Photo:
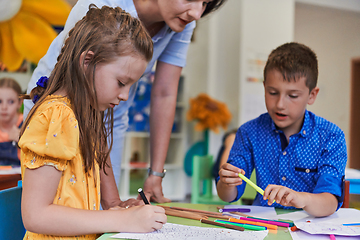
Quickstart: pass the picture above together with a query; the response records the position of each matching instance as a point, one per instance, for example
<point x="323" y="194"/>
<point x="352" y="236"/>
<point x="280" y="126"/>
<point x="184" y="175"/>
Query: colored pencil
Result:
<point x="258" y="189"/>
<point x="206" y="213"/>
<point x="184" y="214"/>
<point x="290" y="223"/>
<point x="264" y="221"/>
<point x="269" y="226"/>
<point x="332" y="237"/>
<point x="234" y="210"/>
<point x="222" y="225"/>
<point x="190" y="210"/>
<point x="351" y="224"/>
<point x="246" y="226"/>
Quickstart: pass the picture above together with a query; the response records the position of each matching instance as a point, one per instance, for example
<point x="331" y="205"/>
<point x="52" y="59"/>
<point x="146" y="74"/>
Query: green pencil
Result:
<point x="246" y="226"/>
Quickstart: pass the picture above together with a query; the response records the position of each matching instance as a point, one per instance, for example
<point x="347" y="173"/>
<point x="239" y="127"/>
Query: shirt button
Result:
<point x="304" y="132"/>
<point x="283" y="178"/>
<point x="307" y="170"/>
<point x="284" y="153"/>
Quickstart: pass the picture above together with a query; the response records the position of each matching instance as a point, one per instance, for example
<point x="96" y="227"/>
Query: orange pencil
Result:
<point x="269" y="226"/>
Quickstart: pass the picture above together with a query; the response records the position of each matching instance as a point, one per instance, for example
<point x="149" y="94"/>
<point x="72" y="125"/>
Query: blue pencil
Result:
<point x="234" y="210"/>
<point x="351" y="224"/>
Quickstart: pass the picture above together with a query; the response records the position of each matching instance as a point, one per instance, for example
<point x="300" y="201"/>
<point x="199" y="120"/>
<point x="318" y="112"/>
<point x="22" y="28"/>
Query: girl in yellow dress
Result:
<point x="63" y="141"/>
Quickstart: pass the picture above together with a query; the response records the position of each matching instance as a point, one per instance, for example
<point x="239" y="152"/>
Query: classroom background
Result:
<point x="226" y="59"/>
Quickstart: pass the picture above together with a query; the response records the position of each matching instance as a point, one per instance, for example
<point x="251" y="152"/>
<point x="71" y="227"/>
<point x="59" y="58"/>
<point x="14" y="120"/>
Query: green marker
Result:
<point x="246" y="226"/>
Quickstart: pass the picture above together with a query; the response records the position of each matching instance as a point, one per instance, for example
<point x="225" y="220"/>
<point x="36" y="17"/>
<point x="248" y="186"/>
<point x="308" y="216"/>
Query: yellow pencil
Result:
<point x="259" y="190"/>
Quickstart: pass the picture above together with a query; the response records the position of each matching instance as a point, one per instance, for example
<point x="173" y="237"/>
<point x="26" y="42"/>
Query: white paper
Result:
<point x="332" y="224"/>
<point x="301" y="235"/>
<point x="328" y="228"/>
<point x="172" y="231"/>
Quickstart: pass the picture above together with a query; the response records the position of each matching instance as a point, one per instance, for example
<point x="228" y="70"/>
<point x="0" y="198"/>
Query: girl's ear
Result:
<point x="85" y="58"/>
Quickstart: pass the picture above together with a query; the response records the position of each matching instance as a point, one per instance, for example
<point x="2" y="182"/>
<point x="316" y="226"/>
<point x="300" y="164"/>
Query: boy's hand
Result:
<point x="284" y="196"/>
<point x="229" y="175"/>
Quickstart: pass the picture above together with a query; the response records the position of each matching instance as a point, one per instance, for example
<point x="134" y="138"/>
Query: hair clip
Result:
<point x="42" y="82"/>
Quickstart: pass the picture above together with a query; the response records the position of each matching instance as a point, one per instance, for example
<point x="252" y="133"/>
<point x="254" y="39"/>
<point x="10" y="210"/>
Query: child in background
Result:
<point x="64" y="139"/>
<point x="299" y="158"/>
<point x="10" y="121"/>
<point x="223" y="154"/>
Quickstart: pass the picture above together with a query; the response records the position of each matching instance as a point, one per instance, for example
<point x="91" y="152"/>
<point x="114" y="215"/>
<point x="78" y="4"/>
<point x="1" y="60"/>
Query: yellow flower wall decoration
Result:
<point x="209" y="113"/>
<point x="26" y="29"/>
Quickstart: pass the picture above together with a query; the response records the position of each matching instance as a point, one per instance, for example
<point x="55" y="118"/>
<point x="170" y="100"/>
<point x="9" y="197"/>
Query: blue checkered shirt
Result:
<point x="312" y="161"/>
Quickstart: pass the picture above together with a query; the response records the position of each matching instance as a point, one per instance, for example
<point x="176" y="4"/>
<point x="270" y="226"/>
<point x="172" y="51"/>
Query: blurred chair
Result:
<point x="202" y="183"/>
<point x="11" y="225"/>
<point x="346" y="194"/>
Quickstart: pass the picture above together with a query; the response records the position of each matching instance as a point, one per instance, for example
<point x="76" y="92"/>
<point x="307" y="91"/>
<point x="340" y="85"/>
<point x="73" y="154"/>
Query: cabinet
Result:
<point x="136" y="157"/>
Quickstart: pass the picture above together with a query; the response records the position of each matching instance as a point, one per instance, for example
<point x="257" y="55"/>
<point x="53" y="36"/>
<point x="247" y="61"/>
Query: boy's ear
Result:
<point x="85" y="58"/>
<point x="312" y="95"/>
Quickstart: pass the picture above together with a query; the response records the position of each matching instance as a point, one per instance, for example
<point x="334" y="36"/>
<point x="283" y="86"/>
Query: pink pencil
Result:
<point x="265" y="221"/>
<point x="332" y="237"/>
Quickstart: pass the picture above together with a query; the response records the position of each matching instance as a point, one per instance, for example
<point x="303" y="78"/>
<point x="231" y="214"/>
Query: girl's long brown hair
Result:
<point x="108" y="33"/>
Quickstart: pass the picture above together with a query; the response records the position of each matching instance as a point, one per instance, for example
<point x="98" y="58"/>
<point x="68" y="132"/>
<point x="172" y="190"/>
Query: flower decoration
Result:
<point x="209" y="113"/>
<point x="26" y="30"/>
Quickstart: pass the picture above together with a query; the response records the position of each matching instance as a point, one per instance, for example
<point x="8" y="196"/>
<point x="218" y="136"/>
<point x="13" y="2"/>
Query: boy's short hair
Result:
<point x="294" y="60"/>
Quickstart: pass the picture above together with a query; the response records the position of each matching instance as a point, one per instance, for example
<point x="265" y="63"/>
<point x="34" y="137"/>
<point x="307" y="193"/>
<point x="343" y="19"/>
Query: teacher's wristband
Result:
<point x="158" y="174"/>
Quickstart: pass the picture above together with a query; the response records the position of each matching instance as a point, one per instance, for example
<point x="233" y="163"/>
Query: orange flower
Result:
<point x="209" y="113"/>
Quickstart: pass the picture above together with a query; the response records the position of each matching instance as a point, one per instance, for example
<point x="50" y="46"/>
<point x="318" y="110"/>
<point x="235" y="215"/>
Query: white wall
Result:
<point x="335" y="37"/>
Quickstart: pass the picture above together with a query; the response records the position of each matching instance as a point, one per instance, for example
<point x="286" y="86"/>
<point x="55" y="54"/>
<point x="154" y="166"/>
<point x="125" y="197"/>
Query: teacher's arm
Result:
<point x="163" y="105"/>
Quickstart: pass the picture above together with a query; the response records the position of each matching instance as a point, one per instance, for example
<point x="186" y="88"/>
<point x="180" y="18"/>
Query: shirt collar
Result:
<point x="305" y="129"/>
<point x="163" y="31"/>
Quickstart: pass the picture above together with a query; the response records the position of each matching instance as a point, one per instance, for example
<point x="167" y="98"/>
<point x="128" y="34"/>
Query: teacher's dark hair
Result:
<point x="212" y="6"/>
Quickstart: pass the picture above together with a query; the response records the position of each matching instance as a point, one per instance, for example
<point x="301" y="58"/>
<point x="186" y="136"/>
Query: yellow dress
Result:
<point x="52" y="138"/>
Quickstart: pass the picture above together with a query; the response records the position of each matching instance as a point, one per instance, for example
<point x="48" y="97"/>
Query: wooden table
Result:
<point x="9" y="180"/>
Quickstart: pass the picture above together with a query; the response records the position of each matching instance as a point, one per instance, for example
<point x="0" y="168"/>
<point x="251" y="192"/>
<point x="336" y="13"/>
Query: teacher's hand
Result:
<point x="153" y="190"/>
<point x="130" y="203"/>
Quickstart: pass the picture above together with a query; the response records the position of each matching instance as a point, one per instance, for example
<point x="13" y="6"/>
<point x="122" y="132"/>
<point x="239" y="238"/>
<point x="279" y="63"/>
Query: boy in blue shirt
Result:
<point x="299" y="158"/>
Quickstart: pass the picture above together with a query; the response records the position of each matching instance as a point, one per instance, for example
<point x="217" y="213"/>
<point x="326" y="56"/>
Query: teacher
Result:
<point x="170" y="24"/>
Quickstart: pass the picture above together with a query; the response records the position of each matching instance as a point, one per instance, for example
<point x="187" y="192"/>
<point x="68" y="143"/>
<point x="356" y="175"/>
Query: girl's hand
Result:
<point x="147" y="218"/>
<point x="284" y="196"/>
<point x="229" y="175"/>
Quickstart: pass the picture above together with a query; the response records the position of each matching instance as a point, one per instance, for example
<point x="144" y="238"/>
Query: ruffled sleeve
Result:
<point x="51" y="138"/>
